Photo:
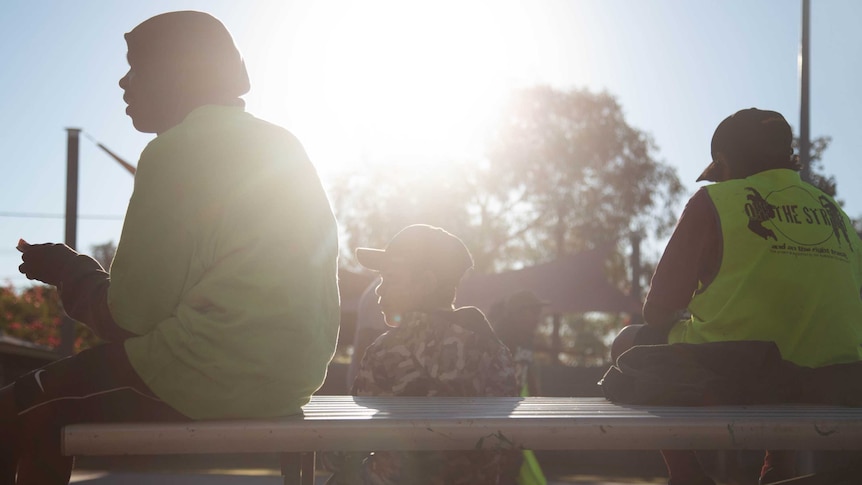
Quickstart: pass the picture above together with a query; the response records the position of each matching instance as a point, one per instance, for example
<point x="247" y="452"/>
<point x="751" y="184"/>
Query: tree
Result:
<point x="373" y="205"/>
<point x="819" y="179"/>
<point x="104" y="253"/>
<point x="563" y="172"/>
<point x="587" y="177"/>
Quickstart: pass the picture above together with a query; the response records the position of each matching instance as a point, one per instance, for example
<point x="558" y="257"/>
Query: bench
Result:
<point x="347" y="423"/>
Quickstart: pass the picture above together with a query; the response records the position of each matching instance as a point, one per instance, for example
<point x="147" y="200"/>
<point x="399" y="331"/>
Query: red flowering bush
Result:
<point x="34" y="314"/>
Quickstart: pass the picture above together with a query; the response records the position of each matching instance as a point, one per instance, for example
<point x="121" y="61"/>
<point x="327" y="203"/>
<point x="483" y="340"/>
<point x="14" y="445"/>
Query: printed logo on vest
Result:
<point x="794" y="215"/>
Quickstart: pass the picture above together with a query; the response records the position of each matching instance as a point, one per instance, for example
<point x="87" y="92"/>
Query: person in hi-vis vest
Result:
<point x="759" y="254"/>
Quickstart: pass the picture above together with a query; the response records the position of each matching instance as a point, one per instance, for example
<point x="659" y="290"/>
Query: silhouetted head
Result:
<point x="748" y="142"/>
<point x="179" y="61"/>
<point x="420" y="270"/>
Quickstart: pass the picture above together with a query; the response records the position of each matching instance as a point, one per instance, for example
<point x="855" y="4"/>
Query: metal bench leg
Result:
<point x="307" y="465"/>
<point x="297" y="468"/>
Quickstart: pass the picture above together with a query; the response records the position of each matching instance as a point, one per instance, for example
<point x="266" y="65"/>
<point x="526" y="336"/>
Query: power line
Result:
<point x="41" y="215"/>
<point x="128" y="166"/>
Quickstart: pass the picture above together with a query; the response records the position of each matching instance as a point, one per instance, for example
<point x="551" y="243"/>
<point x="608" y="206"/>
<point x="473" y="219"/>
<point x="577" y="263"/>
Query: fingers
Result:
<point x="35" y="252"/>
<point x="23" y="269"/>
<point x="45" y="262"/>
<point x="23" y="245"/>
<point x="27" y="269"/>
<point x="624" y="340"/>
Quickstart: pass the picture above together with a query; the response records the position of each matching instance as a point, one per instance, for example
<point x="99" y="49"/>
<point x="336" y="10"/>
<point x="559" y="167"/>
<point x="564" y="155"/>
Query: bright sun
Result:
<point x="396" y="79"/>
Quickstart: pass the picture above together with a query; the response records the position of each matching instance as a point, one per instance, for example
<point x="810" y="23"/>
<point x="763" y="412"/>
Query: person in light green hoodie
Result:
<point x="222" y="300"/>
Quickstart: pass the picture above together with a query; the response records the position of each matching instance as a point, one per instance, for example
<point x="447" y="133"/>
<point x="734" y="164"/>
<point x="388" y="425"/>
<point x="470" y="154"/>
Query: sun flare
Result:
<point x="401" y="80"/>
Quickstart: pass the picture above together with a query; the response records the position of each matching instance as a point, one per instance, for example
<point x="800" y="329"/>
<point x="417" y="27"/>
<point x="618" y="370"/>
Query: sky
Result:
<point x="379" y="81"/>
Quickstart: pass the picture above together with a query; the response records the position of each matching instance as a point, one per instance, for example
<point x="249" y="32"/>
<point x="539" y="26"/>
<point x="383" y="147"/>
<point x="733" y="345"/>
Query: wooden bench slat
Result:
<point x="348" y="423"/>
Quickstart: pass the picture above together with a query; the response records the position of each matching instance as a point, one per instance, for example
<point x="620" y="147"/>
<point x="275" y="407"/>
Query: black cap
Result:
<point x="421" y="246"/>
<point x="751" y="136"/>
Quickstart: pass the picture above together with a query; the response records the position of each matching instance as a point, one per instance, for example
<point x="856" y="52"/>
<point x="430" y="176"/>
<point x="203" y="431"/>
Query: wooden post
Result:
<point x="67" y="327"/>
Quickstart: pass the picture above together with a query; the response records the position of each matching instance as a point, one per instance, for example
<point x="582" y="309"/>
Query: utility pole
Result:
<point x="804" y="82"/>
<point x="806" y="460"/>
<point x="67" y="327"/>
<point x="636" y="292"/>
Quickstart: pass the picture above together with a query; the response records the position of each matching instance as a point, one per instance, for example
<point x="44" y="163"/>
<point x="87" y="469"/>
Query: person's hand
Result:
<point x="624" y="340"/>
<point x="45" y="262"/>
<point x="22" y="245"/>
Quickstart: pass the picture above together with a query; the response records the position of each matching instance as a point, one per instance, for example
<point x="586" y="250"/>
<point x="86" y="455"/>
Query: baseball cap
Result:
<point x="750" y="136"/>
<point x="423" y="247"/>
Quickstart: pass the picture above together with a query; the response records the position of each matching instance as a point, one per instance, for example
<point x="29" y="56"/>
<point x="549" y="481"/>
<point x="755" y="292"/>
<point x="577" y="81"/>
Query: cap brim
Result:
<point x="371" y="258"/>
<point x="710" y="173"/>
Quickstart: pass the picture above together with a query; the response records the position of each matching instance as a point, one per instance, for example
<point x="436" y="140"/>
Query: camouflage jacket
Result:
<point x="445" y="353"/>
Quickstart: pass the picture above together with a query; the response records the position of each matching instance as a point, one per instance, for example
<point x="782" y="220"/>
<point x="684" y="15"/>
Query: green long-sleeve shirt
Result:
<point x="226" y="269"/>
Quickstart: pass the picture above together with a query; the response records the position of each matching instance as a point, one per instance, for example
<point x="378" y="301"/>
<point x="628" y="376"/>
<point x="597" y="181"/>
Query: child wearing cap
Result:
<point x="758" y="255"/>
<point x="431" y="349"/>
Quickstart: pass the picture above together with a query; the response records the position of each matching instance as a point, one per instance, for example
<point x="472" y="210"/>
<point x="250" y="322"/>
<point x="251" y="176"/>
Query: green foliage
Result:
<point x="104" y="253"/>
<point x="817" y="177"/>
<point x="563" y="173"/>
<point x="589" y="178"/>
<point x="372" y="206"/>
<point x="585" y="339"/>
<point x="34" y="314"/>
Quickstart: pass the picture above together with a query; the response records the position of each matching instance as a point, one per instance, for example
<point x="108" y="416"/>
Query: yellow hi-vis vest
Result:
<point x="791" y="272"/>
